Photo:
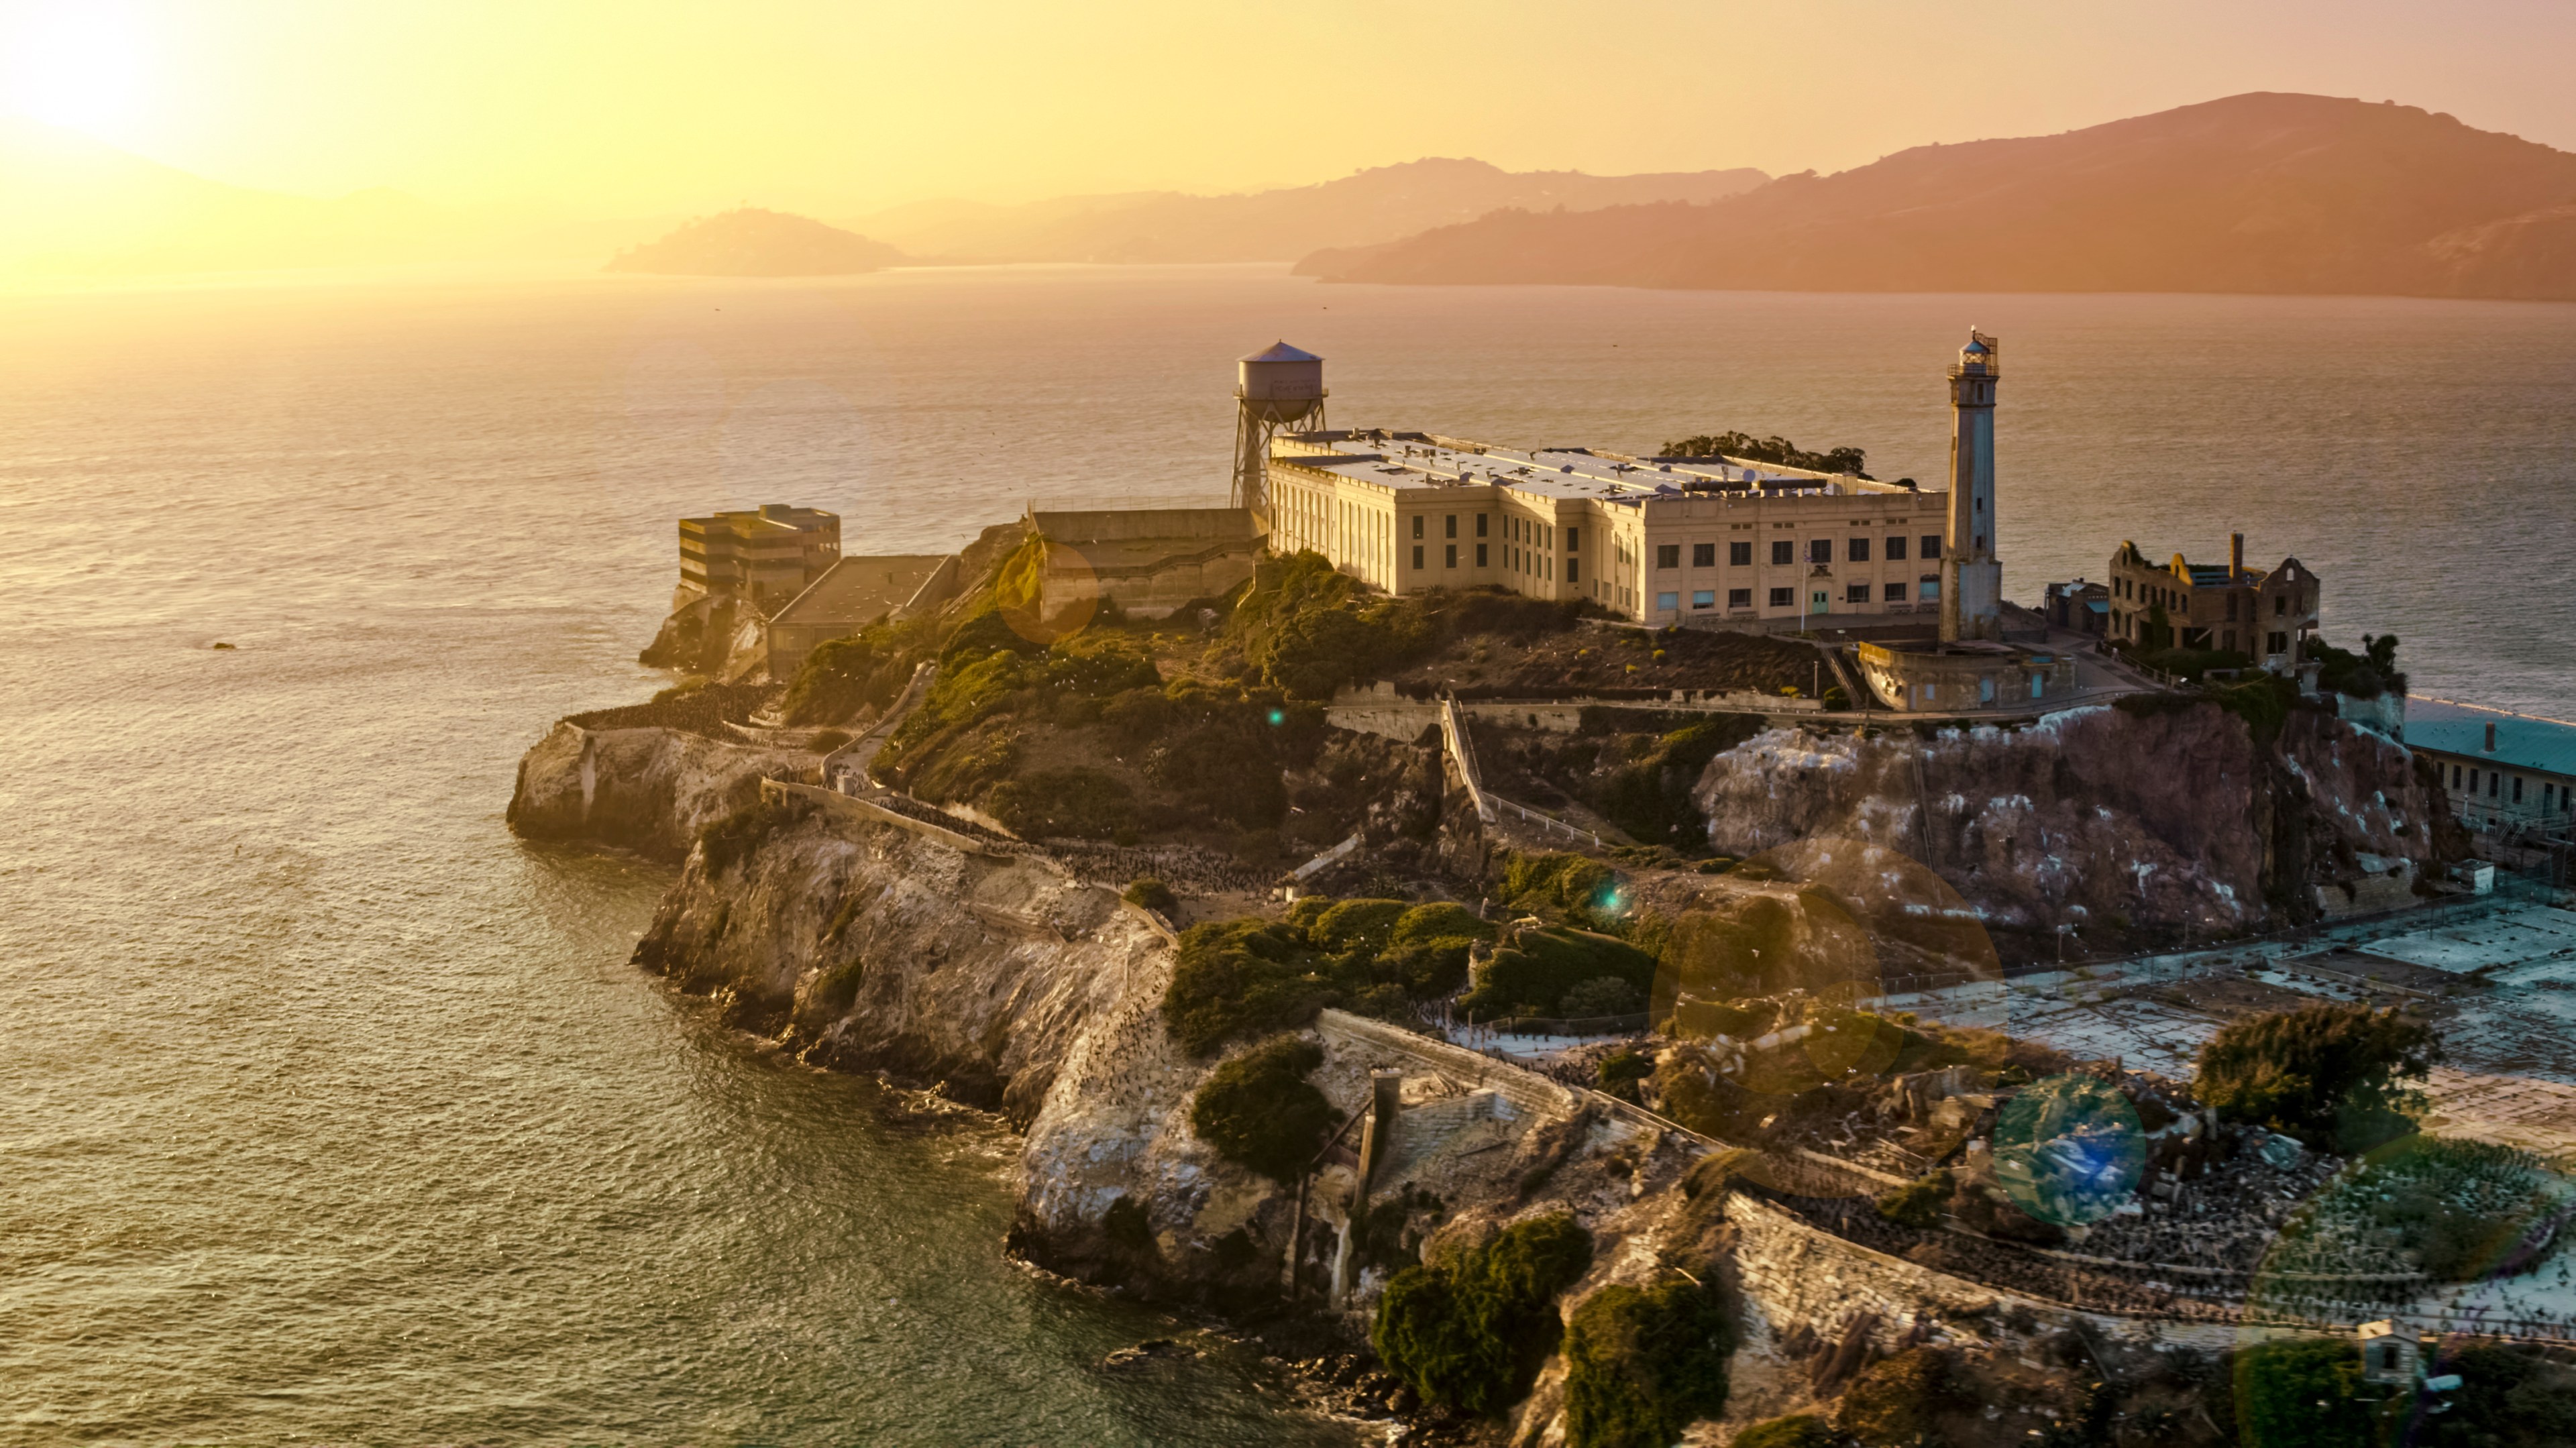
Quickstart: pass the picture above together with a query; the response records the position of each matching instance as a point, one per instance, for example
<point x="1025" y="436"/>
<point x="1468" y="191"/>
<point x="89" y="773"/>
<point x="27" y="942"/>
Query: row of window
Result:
<point x="1927" y="588"/>
<point x="1521" y="530"/>
<point x="1785" y="551"/>
<point x="2552" y="798"/>
<point x="1521" y="560"/>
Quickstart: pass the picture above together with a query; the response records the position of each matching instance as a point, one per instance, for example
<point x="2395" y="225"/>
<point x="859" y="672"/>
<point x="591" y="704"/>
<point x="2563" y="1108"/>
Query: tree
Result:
<point x="1472" y="1332"/>
<point x="2330" y="1075"/>
<point x="1641" y="1364"/>
<point x="1258" y="1111"/>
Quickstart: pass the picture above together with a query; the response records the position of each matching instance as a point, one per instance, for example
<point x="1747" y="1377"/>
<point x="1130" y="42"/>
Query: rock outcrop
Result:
<point x="2123" y="823"/>
<point x="650" y="790"/>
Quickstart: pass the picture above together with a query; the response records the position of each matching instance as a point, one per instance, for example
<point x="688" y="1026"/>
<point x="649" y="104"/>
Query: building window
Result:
<point x="1703" y="555"/>
<point x="2280" y="605"/>
<point x="1480" y="523"/>
<point x="1896" y="548"/>
<point x="1784" y="551"/>
<point x="1856" y="593"/>
<point x="1481" y="547"/>
<point x="1417" y="525"/>
<point x="1857" y="551"/>
<point x="1573" y="567"/>
<point x="1927" y="587"/>
<point x="1704" y="598"/>
<point x="1417" y="550"/>
<point x="2495" y="780"/>
<point x="1895" y="593"/>
<point x="1784" y="598"/>
<point x="1820" y="550"/>
<point x="1668" y="602"/>
<point x="2517" y="789"/>
<point x="1452" y="521"/>
<point x="2231" y="608"/>
<point x="1668" y="555"/>
<point x="1739" y="598"/>
<point x="1931" y="547"/>
<point x="1740" y="554"/>
<point x="2455" y="776"/>
<point x="1452" y="560"/>
<point x="1573" y="542"/>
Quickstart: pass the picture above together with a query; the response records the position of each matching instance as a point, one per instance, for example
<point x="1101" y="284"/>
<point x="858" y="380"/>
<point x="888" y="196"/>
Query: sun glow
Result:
<point x="78" y="65"/>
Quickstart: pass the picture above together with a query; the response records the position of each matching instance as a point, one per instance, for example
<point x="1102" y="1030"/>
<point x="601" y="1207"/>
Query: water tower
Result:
<point x="1274" y="388"/>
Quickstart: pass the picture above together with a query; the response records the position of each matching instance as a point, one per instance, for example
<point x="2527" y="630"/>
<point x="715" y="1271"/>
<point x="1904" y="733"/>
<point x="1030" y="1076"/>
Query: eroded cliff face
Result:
<point x="647" y="790"/>
<point x="2124" y="825"/>
<point x="864" y="947"/>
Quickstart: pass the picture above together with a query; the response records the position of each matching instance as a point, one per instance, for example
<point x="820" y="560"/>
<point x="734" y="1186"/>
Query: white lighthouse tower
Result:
<point x="1971" y="579"/>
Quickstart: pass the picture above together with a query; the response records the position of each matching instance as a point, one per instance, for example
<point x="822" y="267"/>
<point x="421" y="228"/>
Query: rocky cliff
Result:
<point x="2127" y="824"/>
<point x="650" y="790"/>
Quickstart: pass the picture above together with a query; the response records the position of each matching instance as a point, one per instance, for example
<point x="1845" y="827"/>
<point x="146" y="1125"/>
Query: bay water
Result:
<point x="334" y="1113"/>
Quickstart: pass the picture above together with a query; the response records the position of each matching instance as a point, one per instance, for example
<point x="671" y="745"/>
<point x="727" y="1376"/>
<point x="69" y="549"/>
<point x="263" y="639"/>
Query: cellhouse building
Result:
<point x="1660" y="540"/>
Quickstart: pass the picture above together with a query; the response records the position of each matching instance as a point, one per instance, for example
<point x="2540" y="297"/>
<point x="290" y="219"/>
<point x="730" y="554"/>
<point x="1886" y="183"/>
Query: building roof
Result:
<point x="2523" y="741"/>
<point x="858" y="589"/>
<point x="1409" y="460"/>
<point x="1281" y="352"/>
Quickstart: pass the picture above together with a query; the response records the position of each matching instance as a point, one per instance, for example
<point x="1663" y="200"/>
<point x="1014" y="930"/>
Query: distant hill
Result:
<point x="2254" y="193"/>
<point x="1370" y="206"/>
<point x="750" y="242"/>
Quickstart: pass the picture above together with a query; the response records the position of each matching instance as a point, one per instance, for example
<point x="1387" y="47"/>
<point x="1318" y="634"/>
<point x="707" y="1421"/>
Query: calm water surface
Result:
<point x="336" y="1113"/>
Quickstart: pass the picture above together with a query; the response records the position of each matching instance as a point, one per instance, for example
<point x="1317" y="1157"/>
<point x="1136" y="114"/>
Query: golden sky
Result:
<point x="611" y="107"/>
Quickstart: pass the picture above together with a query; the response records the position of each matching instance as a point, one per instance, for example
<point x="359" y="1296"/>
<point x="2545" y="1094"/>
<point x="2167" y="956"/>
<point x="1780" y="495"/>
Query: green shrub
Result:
<point x="1535" y="971"/>
<point x="837" y="989"/>
<point x="1619" y="1074"/>
<point x="2466" y="1209"/>
<point x="1777" y="450"/>
<point x="828" y="740"/>
<point x="1072" y="803"/>
<point x="1310" y="630"/>
<point x="1641" y="1364"/>
<point x="867" y="669"/>
<point x="1473" y="1332"/>
<point x="1650" y="797"/>
<point x="2508" y="1398"/>
<point x="1152" y="894"/>
<point x="2327" y="1074"/>
<point x="1920" y="1203"/>
<point x="1242" y="977"/>
<point x="1798" y="1430"/>
<point x="1893" y="1404"/>
<point x="1339" y="925"/>
<point x="1603" y="995"/>
<point x="2305" y="1392"/>
<point x="1258" y="1111"/>
<point x="1561" y="886"/>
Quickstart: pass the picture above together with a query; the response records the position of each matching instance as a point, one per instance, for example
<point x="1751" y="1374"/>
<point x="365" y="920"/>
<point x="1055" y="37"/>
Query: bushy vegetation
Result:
<point x="1310" y="630"/>
<point x="1920" y="1203"/>
<point x="866" y="670"/>
<point x="2331" y="1075"/>
<point x="1071" y="803"/>
<point x="1894" y="1403"/>
<point x="2305" y="1392"/>
<point x="1472" y="1332"/>
<point x="1151" y="893"/>
<point x="1568" y="888"/>
<point x="1777" y="450"/>
<point x="2507" y="1399"/>
<point x="1650" y="796"/>
<point x="1251" y="976"/>
<point x="1538" y="970"/>
<point x="1641" y="1364"/>
<point x="1619" y="1074"/>
<point x="2465" y="1210"/>
<point x="2365" y="675"/>
<point x="1258" y="1111"/>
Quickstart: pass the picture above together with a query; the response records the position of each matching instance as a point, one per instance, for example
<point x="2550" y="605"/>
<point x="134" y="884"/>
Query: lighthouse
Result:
<point x="1971" y="579"/>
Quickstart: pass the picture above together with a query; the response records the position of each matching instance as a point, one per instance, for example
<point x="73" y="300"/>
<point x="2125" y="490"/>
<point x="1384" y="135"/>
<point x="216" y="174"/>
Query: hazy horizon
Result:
<point x="583" y="112"/>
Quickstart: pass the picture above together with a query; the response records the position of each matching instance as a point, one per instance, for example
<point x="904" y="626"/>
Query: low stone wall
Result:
<point x="855" y="807"/>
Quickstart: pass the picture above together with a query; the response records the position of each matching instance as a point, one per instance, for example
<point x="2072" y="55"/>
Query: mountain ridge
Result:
<point x="1280" y="224"/>
<point x="2266" y="192"/>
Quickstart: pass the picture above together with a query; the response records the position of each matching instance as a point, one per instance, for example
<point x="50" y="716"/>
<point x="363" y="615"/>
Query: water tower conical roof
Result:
<point x="1281" y="352"/>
